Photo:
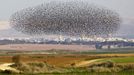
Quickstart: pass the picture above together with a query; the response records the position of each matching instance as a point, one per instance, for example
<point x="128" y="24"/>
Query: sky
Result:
<point x="124" y="7"/>
<point x="8" y="7"/>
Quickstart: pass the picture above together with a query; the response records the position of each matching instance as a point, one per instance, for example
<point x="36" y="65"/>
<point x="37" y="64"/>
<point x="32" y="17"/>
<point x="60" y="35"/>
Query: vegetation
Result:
<point x="57" y="64"/>
<point x="16" y="59"/>
<point x="109" y="66"/>
<point x="120" y="59"/>
<point x="33" y="67"/>
<point x="123" y="60"/>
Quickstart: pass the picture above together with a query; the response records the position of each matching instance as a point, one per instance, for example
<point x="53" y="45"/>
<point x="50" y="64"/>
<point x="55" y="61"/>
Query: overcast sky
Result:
<point x="8" y="7"/>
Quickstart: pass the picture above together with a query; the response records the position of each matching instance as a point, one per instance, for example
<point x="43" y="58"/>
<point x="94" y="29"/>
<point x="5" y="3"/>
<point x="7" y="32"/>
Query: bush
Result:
<point x="99" y="69"/>
<point x="34" y="67"/>
<point x="108" y="64"/>
<point x="40" y="65"/>
<point x="16" y="59"/>
<point x="73" y="64"/>
<point x="127" y="67"/>
<point x="22" y="67"/>
<point x="116" y="69"/>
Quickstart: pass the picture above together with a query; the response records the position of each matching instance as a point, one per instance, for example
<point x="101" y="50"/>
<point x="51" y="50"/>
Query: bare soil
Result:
<point x="30" y="47"/>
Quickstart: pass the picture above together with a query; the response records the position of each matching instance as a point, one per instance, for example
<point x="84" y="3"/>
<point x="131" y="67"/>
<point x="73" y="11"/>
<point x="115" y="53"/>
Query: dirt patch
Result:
<point x="46" y="47"/>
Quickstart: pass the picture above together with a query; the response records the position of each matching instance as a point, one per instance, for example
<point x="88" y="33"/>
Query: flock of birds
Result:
<point x="72" y="18"/>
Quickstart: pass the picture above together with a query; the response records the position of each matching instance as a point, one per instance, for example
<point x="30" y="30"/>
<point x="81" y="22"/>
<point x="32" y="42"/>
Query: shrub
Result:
<point x="33" y="67"/>
<point x="108" y="64"/>
<point x="127" y="67"/>
<point x="40" y="65"/>
<point x="16" y="59"/>
<point x="99" y="69"/>
<point x="73" y="64"/>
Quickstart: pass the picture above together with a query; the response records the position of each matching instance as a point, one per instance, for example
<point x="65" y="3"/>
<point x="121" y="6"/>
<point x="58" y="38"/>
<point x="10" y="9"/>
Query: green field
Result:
<point x="119" y="60"/>
<point x="123" y="60"/>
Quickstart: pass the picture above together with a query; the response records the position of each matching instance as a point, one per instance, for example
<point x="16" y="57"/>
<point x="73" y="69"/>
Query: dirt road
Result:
<point x="6" y="66"/>
<point x="85" y="63"/>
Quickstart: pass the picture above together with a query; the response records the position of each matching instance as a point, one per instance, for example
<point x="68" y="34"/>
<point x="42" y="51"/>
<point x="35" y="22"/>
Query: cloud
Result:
<point x="4" y="25"/>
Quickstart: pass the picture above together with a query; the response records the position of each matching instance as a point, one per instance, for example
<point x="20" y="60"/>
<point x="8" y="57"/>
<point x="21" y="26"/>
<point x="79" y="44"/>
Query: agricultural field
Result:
<point x="120" y="59"/>
<point x="43" y="47"/>
<point x="57" y="62"/>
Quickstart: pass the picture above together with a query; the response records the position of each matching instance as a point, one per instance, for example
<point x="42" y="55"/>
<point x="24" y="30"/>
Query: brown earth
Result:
<point x="30" y="47"/>
<point x="60" y="60"/>
<point x="55" y="60"/>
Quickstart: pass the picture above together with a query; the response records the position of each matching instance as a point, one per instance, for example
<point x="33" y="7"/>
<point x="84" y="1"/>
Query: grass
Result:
<point x="100" y="67"/>
<point x="60" y="63"/>
<point x="123" y="60"/>
<point x="33" y="67"/>
<point x="84" y="73"/>
<point x="120" y="60"/>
